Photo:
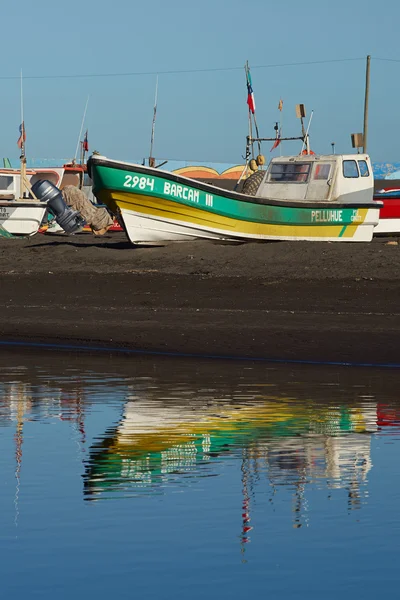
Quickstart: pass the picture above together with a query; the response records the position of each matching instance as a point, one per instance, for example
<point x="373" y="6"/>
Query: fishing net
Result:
<point x="98" y="218"/>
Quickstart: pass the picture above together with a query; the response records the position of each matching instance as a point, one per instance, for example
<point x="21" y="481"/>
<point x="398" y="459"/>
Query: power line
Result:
<point x="396" y="60"/>
<point x="182" y="71"/>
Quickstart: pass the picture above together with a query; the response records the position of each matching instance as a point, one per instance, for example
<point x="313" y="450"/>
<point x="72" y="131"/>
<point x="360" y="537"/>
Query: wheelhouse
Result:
<point x="332" y="178"/>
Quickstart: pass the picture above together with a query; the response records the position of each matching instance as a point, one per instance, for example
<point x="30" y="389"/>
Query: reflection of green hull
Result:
<point x="144" y="460"/>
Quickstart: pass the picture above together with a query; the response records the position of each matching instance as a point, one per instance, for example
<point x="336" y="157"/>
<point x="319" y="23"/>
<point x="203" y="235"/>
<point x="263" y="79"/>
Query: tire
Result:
<point x="252" y="183"/>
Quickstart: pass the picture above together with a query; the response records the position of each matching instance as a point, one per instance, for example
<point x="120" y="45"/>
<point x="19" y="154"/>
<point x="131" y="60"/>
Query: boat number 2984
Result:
<point x="143" y="183"/>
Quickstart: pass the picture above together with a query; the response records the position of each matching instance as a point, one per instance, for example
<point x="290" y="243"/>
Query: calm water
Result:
<point x="143" y="478"/>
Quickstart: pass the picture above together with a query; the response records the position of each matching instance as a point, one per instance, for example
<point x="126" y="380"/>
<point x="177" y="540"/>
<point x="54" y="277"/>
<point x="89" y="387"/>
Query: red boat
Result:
<point x="389" y="216"/>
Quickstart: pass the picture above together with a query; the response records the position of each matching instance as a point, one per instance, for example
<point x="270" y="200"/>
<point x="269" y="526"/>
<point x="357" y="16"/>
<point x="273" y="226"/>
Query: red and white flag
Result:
<point x="22" y="135"/>
<point x="277" y="141"/>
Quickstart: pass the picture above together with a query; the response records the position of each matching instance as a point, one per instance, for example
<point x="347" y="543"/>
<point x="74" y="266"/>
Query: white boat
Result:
<point x="18" y="215"/>
<point x="21" y="214"/>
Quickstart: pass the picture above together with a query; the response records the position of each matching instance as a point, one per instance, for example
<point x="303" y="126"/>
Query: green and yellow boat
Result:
<point x="304" y="197"/>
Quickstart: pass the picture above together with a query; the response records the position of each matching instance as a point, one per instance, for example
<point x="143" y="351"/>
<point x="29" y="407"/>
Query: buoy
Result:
<point x="253" y="165"/>
<point x="305" y="153"/>
<point x="260" y="160"/>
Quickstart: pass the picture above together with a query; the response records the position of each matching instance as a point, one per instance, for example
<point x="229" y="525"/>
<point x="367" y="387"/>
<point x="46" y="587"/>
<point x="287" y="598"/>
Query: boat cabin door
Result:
<point x="321" y="180"/>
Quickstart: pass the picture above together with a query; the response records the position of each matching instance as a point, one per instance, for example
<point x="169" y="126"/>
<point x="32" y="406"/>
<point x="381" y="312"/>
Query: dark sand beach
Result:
<point x="279" y="300"/>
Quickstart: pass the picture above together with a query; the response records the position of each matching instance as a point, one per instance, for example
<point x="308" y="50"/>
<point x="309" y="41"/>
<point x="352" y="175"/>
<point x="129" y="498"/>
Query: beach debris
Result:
<point x="392" y="243"/>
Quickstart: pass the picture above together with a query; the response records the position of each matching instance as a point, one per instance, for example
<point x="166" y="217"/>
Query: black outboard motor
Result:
<point x="70" y="220"/>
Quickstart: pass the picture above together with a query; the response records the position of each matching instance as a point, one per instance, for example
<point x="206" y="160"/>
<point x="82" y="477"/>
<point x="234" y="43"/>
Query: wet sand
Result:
<point x="280" y="300"/>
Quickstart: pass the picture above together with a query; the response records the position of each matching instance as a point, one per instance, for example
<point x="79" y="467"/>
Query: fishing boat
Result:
<point x="19" y="213"/>
<point x="303" y="197"/>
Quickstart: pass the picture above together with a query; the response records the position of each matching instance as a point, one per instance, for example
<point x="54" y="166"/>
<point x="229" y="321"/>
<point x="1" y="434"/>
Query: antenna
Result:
<point x="80" y="132"/>
<point x="153" y="126"/>
<point x="24" y="185"/>
<point x="22" y="118"/>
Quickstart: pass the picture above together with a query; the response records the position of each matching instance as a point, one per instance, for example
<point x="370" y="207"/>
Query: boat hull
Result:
<point x="19" y="218"/>
<point x="153" y="229"/>
<point x="389" y="219"/>
<point x="158" y="207"/>
<point x="388" y="226"/>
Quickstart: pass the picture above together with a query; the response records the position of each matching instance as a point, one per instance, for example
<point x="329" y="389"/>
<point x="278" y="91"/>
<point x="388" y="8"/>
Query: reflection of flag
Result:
<point x="277" y="141"/>
<point x="22" y="135"/>
<point x="250" y="94"/>
<point x="85" y="143"/>
<point x="280" y="105"/>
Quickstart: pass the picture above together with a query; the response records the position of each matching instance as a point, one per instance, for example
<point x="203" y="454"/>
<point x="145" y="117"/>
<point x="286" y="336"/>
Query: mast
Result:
<point x="23" y="185"/>
<point x="153" y="126"/>
<point x="280" y="108"/>
<point x="366" y="104"/>
<point x="247" y="69"/>
<point x="249" y="143"/>
<point x="81" y="129"/>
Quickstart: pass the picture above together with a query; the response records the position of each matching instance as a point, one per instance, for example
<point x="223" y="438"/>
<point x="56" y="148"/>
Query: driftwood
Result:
<point x="98" y="218"/>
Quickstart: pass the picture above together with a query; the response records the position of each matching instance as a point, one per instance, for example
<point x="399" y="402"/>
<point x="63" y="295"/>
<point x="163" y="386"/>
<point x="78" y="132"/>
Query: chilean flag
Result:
<point x="85" y="143"/>
<point x="277" y="141"/>
<point x="250" y="94"/>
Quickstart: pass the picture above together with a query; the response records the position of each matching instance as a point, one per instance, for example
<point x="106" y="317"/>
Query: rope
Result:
<point x="4" y="233"/>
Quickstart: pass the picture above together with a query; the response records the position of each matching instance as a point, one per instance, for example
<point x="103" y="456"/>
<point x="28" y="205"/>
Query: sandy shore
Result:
<point x="284" y="300"/>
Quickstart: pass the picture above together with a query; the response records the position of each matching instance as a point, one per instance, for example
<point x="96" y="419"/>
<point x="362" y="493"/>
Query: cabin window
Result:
<point x="6" y="182"/>
<point x="362" y="165"/>
<point x="321" y="171"/>
<point x="350" y="169"/>
<point x="289" y="172"/>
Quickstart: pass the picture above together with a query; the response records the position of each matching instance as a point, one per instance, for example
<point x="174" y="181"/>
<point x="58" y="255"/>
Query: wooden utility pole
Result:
<point x="365" y="133"/>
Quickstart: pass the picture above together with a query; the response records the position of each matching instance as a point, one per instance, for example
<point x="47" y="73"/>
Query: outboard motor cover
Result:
<point x="70" y="220"/>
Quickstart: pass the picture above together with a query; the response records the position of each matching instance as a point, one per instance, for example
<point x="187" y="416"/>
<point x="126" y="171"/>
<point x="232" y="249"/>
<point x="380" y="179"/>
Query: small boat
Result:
<point x="389" y="218"/>
<point x="303" y="197"/>
<point x="19" y="214"/>
<point x="23" y="206"/>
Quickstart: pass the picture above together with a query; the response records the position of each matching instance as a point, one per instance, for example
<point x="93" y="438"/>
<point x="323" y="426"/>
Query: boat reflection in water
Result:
<point x="296" y="430"/>
<point x="156" y="446"/>
<point x="165" y="440"/>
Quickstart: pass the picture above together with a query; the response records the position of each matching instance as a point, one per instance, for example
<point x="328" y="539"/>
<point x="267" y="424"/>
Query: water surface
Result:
<point x="136" y="477"/>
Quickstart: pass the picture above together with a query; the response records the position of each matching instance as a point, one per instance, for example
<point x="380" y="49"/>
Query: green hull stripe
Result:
<point x="108" y="178"/>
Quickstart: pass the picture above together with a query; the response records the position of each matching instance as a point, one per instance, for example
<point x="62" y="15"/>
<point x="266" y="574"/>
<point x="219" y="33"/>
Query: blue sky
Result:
<point x="202" y="116"/>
